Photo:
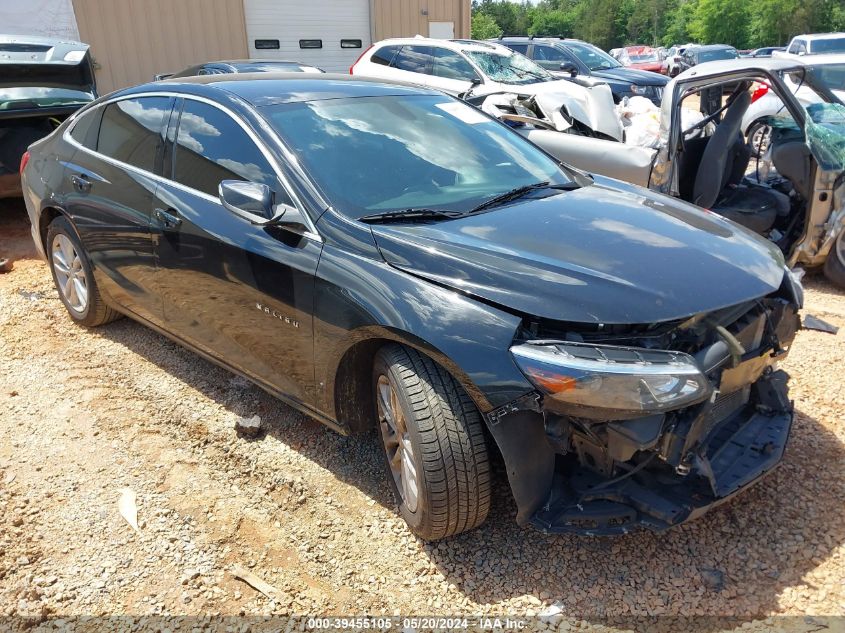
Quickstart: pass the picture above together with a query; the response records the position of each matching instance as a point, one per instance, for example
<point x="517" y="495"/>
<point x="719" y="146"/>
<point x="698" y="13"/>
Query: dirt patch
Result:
<point x="86" y="413"/>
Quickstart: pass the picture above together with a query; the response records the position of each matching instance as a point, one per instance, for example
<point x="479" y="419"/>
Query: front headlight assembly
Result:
<point x="606" y="382"/>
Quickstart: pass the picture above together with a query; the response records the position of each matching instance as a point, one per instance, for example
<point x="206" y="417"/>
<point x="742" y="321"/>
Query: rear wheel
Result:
<point x="73" y="276"/>
<point x="433" y="441"/>
<point x="834" y="267"/>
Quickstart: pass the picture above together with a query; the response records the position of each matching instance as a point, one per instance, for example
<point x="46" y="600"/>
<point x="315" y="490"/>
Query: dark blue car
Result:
<point x="574" y="58"/>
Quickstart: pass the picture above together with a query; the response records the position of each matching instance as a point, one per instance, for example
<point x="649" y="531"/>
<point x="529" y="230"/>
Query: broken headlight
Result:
<point x="606" y="382"/>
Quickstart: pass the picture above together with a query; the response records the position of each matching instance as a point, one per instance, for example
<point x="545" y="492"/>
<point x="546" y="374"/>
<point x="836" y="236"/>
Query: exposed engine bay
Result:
<point x="712" y="414"/>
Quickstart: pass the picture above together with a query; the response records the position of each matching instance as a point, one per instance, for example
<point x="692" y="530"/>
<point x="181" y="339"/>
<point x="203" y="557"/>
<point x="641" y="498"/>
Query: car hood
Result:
<point x="605" y="253"/>
<point x="647" y="66"/>
<point x="632" y="75"/>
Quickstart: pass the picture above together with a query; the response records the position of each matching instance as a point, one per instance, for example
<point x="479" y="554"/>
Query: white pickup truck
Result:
<point x="813" y="44"/>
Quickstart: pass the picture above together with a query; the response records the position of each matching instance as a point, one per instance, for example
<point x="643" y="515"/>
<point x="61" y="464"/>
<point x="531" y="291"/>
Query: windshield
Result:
<point x="594" y="58"/>
<point x="721" y="53"/>
<point x="832" y="45"/>
<point x="13" y="98"/>
<point x="378" y="154"/>
<point x="508" y="68"/>
<point x="644" y="56"/>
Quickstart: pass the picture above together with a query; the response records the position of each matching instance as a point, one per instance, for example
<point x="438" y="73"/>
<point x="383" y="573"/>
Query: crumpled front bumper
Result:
<point x="740" y="450"/>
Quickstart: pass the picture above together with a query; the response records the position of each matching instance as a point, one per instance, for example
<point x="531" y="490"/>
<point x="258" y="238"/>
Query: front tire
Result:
<point x="758" y="137"/>
<point x="433" y="440"/>
<point x="73" y="276"/>
<point x="834" y="266"/>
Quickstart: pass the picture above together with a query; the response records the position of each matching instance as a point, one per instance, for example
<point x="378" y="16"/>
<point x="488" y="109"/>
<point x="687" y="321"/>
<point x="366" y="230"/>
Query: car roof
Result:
<point x="816" y="60"/>
<point x="714" y="47"/>
<point x="454" y="45"/>
<point x="763" y="64"/>
<point x="821" y="36"/>
<point x="261" y="89"/>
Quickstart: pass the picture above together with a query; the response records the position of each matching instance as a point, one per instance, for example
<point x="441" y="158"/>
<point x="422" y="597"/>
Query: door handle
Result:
<point x="81" y="183"/>
<point x="168" y="219"/>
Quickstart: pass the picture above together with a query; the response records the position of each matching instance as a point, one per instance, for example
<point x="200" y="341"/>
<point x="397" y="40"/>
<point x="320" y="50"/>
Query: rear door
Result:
<point x="238" y="291"/>
<point x="111" y="186"/>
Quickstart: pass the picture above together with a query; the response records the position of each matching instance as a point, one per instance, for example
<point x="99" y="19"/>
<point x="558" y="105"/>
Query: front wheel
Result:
<point x="759" y="135"/>
<point x="834" y="266"/>
<point x="433" y="440"/>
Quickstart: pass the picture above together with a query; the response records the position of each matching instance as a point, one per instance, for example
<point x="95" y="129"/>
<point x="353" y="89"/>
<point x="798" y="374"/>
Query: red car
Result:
<point x="641" y="57"/>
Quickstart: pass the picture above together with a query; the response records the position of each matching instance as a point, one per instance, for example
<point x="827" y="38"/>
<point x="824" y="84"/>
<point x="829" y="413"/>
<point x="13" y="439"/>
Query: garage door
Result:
<point x="330" y="34"/>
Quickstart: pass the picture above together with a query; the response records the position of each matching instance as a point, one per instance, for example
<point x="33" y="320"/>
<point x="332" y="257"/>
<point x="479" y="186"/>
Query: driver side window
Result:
<point x="450" y="65"/>
<point x="212" y="147"/>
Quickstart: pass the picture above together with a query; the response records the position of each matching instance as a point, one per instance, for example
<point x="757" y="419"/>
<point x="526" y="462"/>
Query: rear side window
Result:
<point x="414" y="59"/>
<point x="450" y="65"/>
<point x="85" y="130"/>
<point x="549" y="53"/>
<point x="384" y="55"/>
<point x="519" y="48"/>
<point x="212" y="147"/>
<point x="131" y="130"/>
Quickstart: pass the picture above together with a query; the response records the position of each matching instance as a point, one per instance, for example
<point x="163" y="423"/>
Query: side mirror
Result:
<point x="569" y="67"/>
<point x="472" y="85"/>
<point x="249" y="200"/>
<point x="254" y="203"/>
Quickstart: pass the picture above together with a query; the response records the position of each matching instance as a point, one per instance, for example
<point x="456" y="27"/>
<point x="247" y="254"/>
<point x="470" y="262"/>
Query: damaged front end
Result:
<point x="647" y="426"/>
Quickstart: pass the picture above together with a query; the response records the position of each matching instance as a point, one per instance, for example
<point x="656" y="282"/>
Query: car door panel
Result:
<point x="110" y="201"/>
<point x="238" y="291"/>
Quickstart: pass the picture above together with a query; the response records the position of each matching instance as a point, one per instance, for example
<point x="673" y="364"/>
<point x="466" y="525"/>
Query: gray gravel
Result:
<point x="87" y="413"/>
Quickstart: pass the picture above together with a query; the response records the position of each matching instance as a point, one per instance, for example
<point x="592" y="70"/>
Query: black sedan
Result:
<point x="388" y="257"/>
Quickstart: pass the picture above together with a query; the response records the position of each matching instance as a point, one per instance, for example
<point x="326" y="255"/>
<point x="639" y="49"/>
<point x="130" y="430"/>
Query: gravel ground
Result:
<point x="85" y="414"/>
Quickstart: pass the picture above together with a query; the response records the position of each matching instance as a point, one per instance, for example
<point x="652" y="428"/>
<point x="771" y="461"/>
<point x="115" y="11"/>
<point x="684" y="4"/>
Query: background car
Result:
<point x="243" y="66"/>
<point x="766" y="51"/>
<point x="671" y="62"/>
<point x="814" y="44"/>
<point x="641" y="57"/>
<point x="464" y="67"/>
<point x="566" y="58"/>
<point x="766" y="105"/>
<point x="42" y="81"/>
<point x="450" y="291"/>
<point x="695" y="55"/>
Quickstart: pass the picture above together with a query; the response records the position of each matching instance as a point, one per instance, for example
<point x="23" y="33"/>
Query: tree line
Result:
<point x="613" y="23"/>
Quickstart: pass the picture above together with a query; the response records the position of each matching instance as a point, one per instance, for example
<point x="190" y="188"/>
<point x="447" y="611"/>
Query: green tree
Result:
<point x="678" y="21"/>
<point x="722" y="22"/>
<point x="483" y="27"/>
<point x="553" y="22"/>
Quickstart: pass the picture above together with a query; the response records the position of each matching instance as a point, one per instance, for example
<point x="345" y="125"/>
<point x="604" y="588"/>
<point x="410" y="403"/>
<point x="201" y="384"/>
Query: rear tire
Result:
<point x="433" y="440"/>
<point x="73" y="276"/>
<point x="834" y="266"/>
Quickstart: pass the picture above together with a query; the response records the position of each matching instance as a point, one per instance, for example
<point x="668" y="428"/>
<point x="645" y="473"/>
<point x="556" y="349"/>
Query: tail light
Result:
<point x="761" y="90"/>
<point x="24" y="161"/>
<point x="367" y="50"/>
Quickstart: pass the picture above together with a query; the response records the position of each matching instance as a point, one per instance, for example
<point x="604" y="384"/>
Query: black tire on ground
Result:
<point x="834" y="267"/>
<point x="761" y="143"/>
<point x="96" y="312"/>
<point x="446" y="434"/>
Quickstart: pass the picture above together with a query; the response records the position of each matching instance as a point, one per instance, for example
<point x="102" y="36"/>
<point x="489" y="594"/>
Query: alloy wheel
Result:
<point x="70" y="276"/>
<point x="397" y="443"/>
<point x="759" y="137"/>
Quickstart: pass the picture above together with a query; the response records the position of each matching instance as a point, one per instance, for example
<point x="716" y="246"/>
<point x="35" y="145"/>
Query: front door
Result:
<point x="237" y="291"/>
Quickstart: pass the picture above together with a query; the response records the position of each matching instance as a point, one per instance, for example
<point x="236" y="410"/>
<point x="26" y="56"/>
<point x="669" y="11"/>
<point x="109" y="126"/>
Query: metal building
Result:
<point x="133" y="40"/>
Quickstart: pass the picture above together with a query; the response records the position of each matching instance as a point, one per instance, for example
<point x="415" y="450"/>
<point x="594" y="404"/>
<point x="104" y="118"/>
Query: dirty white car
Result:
<point x="794" y="194"/>
<point x="468" y="67"/>
<point x="829" y="69"/>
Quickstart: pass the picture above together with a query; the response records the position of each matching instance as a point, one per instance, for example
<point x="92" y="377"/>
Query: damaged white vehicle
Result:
<point x="794" y="194"/>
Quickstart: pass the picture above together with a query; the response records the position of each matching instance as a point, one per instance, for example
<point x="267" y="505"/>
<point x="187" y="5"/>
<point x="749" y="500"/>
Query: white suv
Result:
<point x="461" y="66"/>
<point x="814" y="44"/>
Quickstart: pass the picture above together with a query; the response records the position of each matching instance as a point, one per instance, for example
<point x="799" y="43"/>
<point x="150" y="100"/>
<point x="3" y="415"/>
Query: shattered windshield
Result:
<point x="825" y="131"/>
<point x="509" y="68"/>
